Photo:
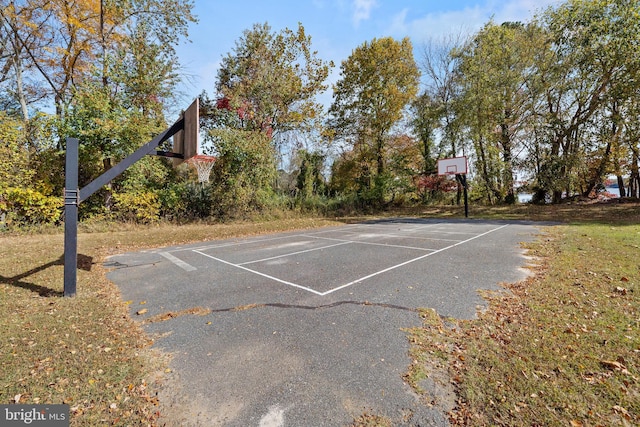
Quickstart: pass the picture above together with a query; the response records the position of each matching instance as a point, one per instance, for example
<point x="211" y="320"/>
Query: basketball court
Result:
<point x="306" y="327"/>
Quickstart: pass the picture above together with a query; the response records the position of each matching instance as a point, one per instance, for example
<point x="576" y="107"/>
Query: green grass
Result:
<point x="565" y="348"/>
<point x="87" y="352"/>
<point x="561" y="348"/>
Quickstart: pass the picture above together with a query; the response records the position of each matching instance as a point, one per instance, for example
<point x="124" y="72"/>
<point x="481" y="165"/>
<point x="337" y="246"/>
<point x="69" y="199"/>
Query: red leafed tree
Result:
<point x="430" y="186"/>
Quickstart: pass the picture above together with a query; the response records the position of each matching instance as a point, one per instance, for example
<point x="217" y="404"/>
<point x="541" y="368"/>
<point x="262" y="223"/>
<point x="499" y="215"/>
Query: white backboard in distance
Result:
<point x="452" y="166"/>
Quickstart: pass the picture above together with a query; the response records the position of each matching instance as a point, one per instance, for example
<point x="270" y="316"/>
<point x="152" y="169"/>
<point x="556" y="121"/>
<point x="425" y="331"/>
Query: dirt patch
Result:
<point x="198" y="311"/>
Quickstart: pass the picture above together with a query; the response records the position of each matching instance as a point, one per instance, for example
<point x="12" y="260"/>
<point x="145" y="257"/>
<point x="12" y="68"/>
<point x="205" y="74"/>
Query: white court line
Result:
<point x="409" y="230"/>
<point x="451" y="232"/>
<point x="355" y="281"/>
<point x="294" y="253"/>
<point x="409" y="262"/>
<point x="259" y="273"/>
<point x="402" y="236"/>
<point x="408" y="226"/>
<point x="258" y="240"/>
<point x="226" y="245"/>
<point x="248" y="242"/>
<point x="177" y="261"/>
<point x="334" y="229"/>
<point x="373" y="243"/>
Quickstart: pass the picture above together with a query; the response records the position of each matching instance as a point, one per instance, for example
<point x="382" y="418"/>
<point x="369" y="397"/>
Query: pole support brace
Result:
<point x="72" y="197"/>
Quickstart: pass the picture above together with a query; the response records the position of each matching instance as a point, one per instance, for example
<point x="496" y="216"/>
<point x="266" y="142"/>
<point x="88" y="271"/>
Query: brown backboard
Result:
<point x="185" y="142"/>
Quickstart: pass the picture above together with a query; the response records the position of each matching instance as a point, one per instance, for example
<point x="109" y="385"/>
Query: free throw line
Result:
<point x="177" y="261"/>
<point x="294" y="253"/>
<point x="409" y="261"/>
<point x="260" y="274"/>
<point x="313" y="291"/>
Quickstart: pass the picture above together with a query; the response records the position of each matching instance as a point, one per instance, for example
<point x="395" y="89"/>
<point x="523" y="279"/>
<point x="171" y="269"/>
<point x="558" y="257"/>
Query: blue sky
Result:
<point x="336" y="27"/>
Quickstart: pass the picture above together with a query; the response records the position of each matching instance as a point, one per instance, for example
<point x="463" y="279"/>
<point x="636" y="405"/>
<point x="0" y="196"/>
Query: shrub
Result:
<point x="26" y="206"/>
<point x="142" y="206"/>
<point x="244" y="173"/>
<point x="197" y="200"/>
<point x="172" y="201"/>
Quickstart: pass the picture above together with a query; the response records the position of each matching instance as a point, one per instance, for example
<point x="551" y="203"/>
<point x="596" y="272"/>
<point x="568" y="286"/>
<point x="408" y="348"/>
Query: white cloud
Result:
<point x="319" y="4"/>
<point x="467" y="20"/>
<point x="437" y="24"/>
<point x="362" y="10"/>
<point x="521" y="10"/>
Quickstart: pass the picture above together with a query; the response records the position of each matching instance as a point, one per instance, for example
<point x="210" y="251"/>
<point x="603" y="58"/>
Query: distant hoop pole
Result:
<point x="462" y="179"/>
<point x="203" y="165"/>
<point x="456" y="166"/>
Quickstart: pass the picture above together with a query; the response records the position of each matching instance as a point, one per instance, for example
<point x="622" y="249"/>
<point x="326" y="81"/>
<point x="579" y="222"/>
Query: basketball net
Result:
<point x="203" y="165"/>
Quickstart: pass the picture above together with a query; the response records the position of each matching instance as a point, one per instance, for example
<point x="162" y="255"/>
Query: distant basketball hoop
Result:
<point x="456" y="166"/>
<point x="453" y="166"/>
<point x="203" y="165"/>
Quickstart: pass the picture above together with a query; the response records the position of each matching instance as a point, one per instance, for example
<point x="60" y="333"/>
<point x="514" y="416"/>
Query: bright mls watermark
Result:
<point x="34" y="415"/>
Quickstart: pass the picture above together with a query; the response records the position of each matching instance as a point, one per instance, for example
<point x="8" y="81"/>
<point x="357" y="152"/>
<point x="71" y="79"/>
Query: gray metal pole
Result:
<point x="466" y="197"/>
<point x="462" y="179"/>
<point x="71" y="201"/>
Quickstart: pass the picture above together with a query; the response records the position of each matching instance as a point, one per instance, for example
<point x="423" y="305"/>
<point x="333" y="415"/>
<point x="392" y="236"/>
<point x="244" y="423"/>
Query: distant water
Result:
<point x="524" y="197"/>
<point x="613" y="190"/>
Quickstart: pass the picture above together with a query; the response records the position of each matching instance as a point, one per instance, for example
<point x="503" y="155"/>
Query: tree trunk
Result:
<point x="634" y="179"/>
<point x="621" y="188"/>
<point x="485" y="172"/>
<point x="17" y="65"/>
<point x="556" y="195"/>
<point x="20" y="86"/>
<point x="380" y="155"/>
<point x="508" y="164"/>
<point x="598" y="174"/>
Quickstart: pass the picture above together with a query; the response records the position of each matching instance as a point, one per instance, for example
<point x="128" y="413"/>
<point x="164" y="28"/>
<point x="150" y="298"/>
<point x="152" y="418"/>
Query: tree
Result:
<point x="631" y="139"/>
<point x="271" y="80"/>
<point x="20" y="36"/>
<point x="439" y="103"/>
<point x="494" y="69"/>
<point x="593" y="44"/>
<point x="439" y="65"/>
<point x="265" y="91"/>
<point x="618" y="40"/>
<point x="63" y="42"/>
<point x="426" y="121"/>
<point x="243" y="172"/>
<point x="377" y="82"/>
<point x="310" y="180"/>
<point x="14" y="169"/>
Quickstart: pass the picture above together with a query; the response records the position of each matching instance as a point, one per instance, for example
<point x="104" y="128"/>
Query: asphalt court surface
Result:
<point x="290" y="311"/>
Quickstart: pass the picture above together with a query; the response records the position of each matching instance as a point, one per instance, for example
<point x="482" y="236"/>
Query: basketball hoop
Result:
<point x="453" y="166"/>
<point x="456" y="166"/>
<point x="203" y="165"/>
